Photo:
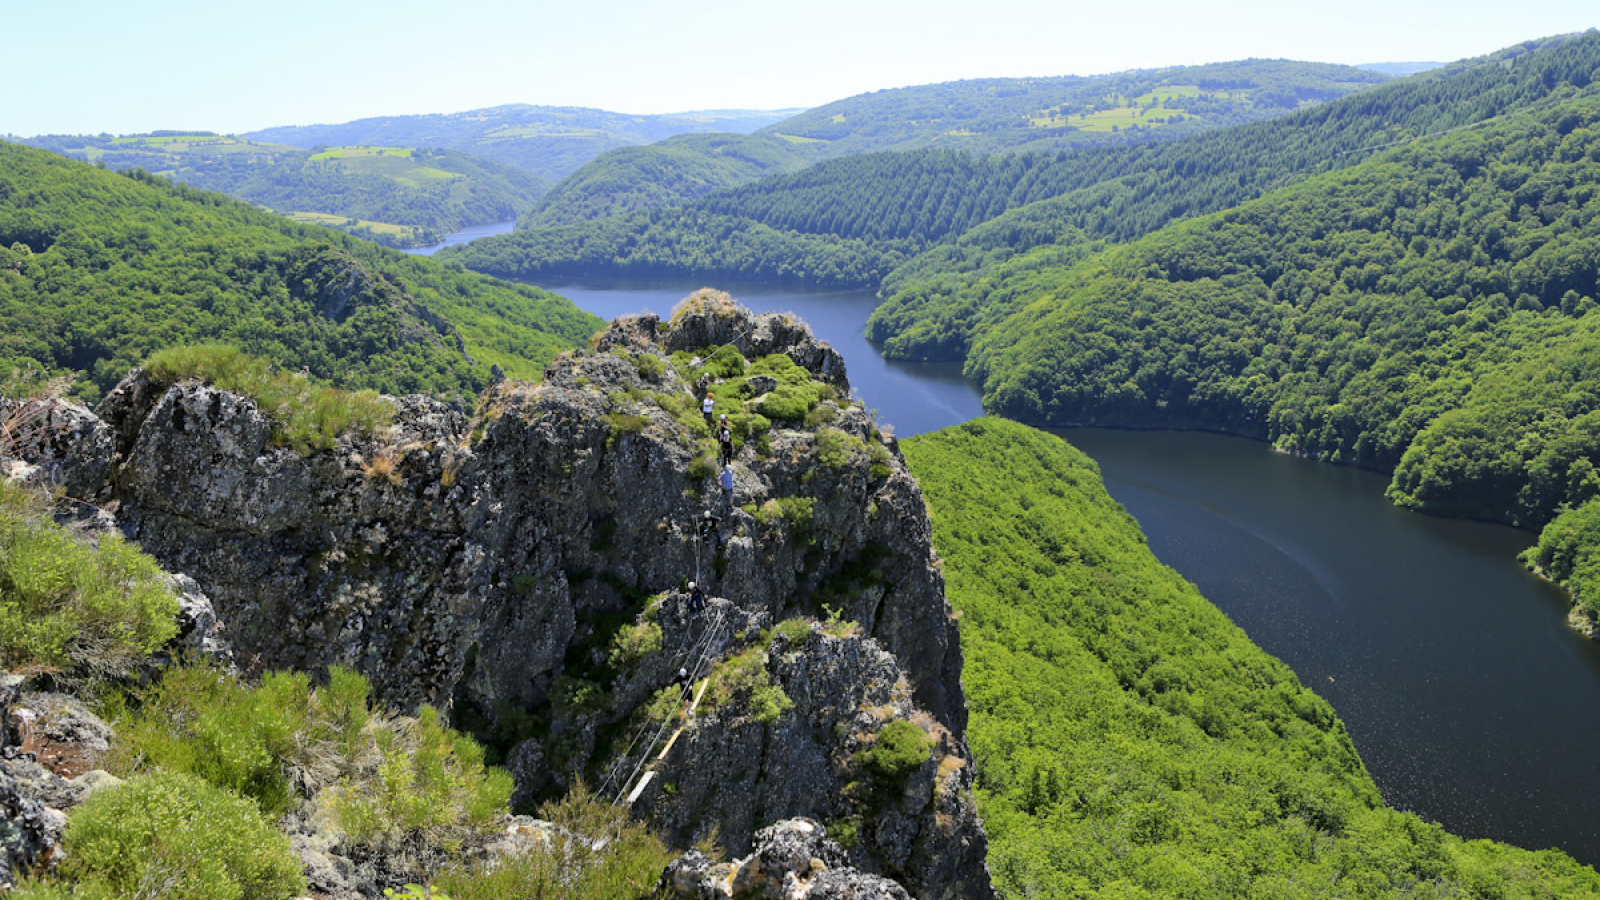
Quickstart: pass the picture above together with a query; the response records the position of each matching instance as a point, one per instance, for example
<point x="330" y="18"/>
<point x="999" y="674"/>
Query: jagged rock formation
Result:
<point x="792" y="860"/>
<point x="917" y="826"/>
<point x="484" y="563"/>
<point x="49" y="744"/>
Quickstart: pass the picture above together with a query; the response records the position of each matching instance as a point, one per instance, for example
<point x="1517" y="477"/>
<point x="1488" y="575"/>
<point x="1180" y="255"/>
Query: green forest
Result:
<point x="953" y="214"/>
<point x="1425" y="312"/>
<point x="99" y="269"/>
<point x="1133" y="741"/>
<point x="672" y="172"/>
<point x="394" y="195"/>
<point x="1009" y="115"/>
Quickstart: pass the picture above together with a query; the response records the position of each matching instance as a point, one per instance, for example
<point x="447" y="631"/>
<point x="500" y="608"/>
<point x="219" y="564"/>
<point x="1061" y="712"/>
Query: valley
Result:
<point x="1171" y="483"/>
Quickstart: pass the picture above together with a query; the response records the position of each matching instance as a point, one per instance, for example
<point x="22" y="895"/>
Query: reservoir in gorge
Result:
<point x="1468" y="697"/>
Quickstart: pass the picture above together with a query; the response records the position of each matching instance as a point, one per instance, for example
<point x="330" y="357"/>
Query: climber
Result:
<point x="725" y="441"/>
<point x="702" y="386"/>
<point x="682" y="681"/>
<point x="726" y="480"/>
<point x="706" y="406"/>
<point x="697" y="599"/>
<point x="708" y="529"/>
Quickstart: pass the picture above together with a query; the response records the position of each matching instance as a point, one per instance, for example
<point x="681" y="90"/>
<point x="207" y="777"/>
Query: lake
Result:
<point x="1470" y="700"/>
<point x="466" y="234"/>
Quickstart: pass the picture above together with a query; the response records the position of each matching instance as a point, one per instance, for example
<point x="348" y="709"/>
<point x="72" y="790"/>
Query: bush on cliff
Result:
<point x="283" y="742"/>
<point x="624" y="867"/>
<point x="172" y="836"/>
<point x="305" y="416"/>
<point x="91" y="609"/>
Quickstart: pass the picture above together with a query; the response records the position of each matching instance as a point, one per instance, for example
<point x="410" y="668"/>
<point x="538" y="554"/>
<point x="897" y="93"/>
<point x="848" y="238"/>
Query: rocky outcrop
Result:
<point x="916" y="825"/>
<point x="484" y="564"/>
<point x="48" y="744"/>
<point x="54" y="442"/>
<point x="791" y="860"/>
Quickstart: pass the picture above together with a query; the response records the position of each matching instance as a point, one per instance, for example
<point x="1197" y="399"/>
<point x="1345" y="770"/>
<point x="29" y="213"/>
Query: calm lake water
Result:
<point x="464" y="235"/>
<point x="1470" y="700"/>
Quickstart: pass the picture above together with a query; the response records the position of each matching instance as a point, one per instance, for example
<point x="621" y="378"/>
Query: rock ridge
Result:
<point x="491" y="563"/>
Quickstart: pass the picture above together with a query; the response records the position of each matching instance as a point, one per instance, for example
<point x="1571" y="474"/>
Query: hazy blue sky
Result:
<point x="134" y="65"/>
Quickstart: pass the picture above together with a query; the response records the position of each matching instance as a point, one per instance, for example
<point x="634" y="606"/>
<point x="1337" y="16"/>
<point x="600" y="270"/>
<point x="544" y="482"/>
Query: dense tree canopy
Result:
<point x="1121" y="194"/>
<point x="97" y="270"/>
<point x="1132" y="741"/>
<point x="958" y="215"/>
<point x="1426" y="311"/>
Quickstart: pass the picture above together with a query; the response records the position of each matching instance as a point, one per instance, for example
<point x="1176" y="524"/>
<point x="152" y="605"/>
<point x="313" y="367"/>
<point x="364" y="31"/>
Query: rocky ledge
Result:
<point x="529" y="562"/>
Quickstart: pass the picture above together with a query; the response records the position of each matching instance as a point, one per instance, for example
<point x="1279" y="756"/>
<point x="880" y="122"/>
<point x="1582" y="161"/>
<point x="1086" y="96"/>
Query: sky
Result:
<point x="91" y="66"/>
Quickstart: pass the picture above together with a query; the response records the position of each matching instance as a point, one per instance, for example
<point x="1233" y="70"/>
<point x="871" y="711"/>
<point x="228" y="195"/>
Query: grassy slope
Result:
<point x="97" y="270"/>
<point x="1131" y="741"/>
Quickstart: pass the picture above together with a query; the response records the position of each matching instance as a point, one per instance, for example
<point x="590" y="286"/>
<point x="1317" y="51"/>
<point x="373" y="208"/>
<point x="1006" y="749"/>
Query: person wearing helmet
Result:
<point x="708" y="528"/>
<point x="697" y="599"/>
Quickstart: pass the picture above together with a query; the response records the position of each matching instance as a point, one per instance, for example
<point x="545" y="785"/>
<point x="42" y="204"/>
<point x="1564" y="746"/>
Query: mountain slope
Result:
<point x="393" y="195"/>
<point x="97" y="270"/>
<point x="1133" y="741"/>
<point x="549" y="141"/>
<point x="994" y="115"/>
<point x="668" y="173"/>
<point x="935" y="300"/>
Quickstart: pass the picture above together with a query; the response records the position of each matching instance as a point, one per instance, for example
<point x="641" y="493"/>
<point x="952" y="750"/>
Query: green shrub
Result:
<point x="623" y="867"/>
<point x="835" y="449"/>
<point x="743" y="680"/>
<point x="797" y="631"/>
<point x="171" y="835"/>
<point x="797" y="511"/>
<point x="845" y="832"/>
<point x="788" y="403"/>
<point x="901" y="748"/>
<point x="205" y="723"/>
<point x="725" y="362"/>
<point x="704" y="465"/>
<point x="65" y="603"/>
<point x="425" y="777"/>
<point x="624" y="423"/>
<point x="282" y="742"/>
<point x="306" y="417"/>
<point x="650" y="366"/>
<point x="633" y="643"/>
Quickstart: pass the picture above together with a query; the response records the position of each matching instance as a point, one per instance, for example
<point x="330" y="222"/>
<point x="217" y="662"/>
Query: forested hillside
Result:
<point x="97" y="270"/>
<point x="934" y="301"/>
<point x="397" y="196"/>
<point x="1112" y="192"/>
<point x="985" y="116"/>
<point x="1428" y="311"/>
<point x="549" y="141"/>
<point x="669" y="173"/>
<point x="1133" y="741"/>
<point x="996" y="115"/>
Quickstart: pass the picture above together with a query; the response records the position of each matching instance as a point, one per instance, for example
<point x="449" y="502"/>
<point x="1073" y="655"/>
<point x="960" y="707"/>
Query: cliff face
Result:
<point x="485" y="564"/>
